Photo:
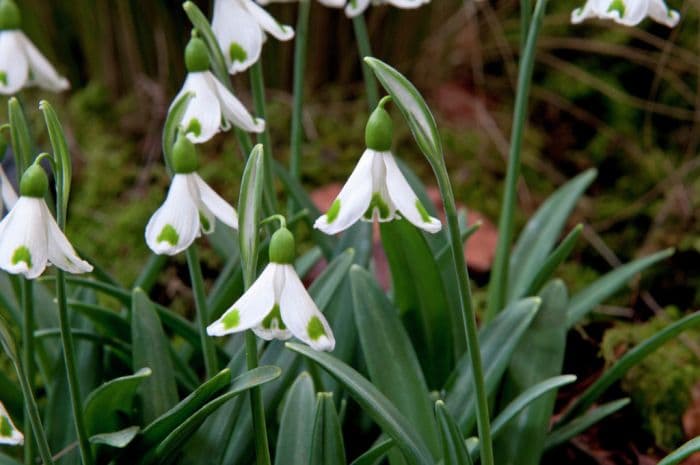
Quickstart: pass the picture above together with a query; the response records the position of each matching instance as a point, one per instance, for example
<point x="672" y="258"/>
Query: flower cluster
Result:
<point x="626" y="12"/>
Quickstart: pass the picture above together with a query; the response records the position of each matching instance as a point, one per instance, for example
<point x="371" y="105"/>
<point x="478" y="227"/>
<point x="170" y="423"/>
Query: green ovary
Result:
<point x="274" y="315"/>
<point x="22" y="254"/>
<point x="315" y="329"/>
<point x="5" y="428"/>
<point x="231" y="319"/>
<point x="237" y="53"/>
<point x="378" y="203"/>
<point x="169" y="235"/>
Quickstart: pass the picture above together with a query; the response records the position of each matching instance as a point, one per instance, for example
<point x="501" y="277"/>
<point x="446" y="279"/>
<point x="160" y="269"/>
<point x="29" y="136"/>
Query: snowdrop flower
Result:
<point x="376" y="188"/>
<point x="29" y="236"/>
<point x="277" y="306"/>
<point x="9" y="434"/>
<point x="240" y="27"/>
<point x="212" y="107"/>
<point x="357" y="7"/>
<point x="21" y="64"/>
<point x="190" y="208"/>
<point x="626" y="12"/>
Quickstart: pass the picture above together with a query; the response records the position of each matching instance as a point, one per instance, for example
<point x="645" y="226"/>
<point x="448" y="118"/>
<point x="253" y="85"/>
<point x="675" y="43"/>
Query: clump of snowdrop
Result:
<point x="376" y="189"/>
<point x="190" y="208"/>
<point x="21" y="64"/>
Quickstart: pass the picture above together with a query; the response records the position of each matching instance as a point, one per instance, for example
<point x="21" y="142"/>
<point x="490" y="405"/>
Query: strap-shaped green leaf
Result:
<point x="582" y="423"/>
<point x="682" y="452"/>
<point x="541" y="233"/>
<point x="375" y="404"/>
<point x="150" y="349"/>
<point x="250" y="212"/>
<point x="391" y="359"/>
<point x="327" y="440"/>
<point x="453" y="447"/>
<point x="413" y="107"/>
<point x="64" y="167"/>
<point x="590" y="297"/>
<point x="555" y="259"/>
<point x="297" y="423"/>
<point x="119" y="439"/>
<point x="20" y="136"/>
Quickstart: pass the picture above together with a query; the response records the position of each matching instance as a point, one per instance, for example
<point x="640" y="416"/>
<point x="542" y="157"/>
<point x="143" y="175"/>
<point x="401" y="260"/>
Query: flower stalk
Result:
<point x="28" y="363"/>
<point x="499" y="278"/>
<point x="257" y="83"/>
<point x="364" y="49"/>
<point x="200" y="299"/>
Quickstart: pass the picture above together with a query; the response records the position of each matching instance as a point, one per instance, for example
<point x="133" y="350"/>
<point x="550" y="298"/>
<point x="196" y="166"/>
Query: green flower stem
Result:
<point x="365" y="50"/>
<point x="33" y="414"/>
<point x="300" y="50"/>
<point x="499" y="275"/>
<point x="71" y="369"/>
<point x="200" y="300"/>
<point x="149" y="275"/>
<point x="28" y="362"/>
<point x="468" y="316"/>
<point x="525" y="18"/>
<point x="257" y="83"/>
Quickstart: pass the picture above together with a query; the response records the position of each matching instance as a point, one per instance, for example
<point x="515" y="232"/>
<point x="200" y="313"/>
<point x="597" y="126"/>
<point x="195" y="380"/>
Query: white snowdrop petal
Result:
<point x="405" y="199"/>
<point x="175" y="225"/>
<point x="9" y="434"/>
<point x="43" y="74"/>
<point x="268" y="23"/>
<point x="60" y="251"/>
<point x="353" y="200"/>
<point x="301" y="315"/>
<point x="233" y="110"/>
<point x="356" y="7"/>
<point x="238" y="33"/>
<point x="7" y="193"/>
<point x="661" y="13"/>
<point x="23" y="241"/>
<point x="216" y="204"/>
<point x="333" y="3"/>
<point x="632" y="13"/>
<point x="202" y="117"/>
<point x="407" y="3"/>
<point x="251" y="308"/>
<point x="14" y="66"/>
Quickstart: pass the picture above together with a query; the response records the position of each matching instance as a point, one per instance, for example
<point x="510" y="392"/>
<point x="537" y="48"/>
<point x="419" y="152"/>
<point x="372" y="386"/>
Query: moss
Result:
<point x="660" y="386"/>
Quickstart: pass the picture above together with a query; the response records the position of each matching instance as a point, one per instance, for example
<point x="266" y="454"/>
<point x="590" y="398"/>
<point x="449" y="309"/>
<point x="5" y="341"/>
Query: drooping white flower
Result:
<point x="190" y="208"/>
<point x="357" y="7"/>
<point x="21" y="64"/>
<point x="29" y="236"/>
<point x="240" y="27"/>
<point x="626" y="12"/>
<point x="376" y="189"/>
<point x="9" y="434"/>
<point x="277" y="306"/>
<point x="212" y="107"/>
<point x="329" y="3"/>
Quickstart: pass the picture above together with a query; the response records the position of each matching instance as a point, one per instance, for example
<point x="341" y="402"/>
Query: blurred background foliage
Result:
<point x="624" y="100"/>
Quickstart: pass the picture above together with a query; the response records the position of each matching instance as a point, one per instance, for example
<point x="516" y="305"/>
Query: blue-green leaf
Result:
<point x="119" y="439"/>
<point x="582" y="423"/>
<point x="682" y="452"/>
<point x="327" y="439"/>
<point x="297" y="424"/>
<point x="250" y="211"/>
<point x="453" y="447"/>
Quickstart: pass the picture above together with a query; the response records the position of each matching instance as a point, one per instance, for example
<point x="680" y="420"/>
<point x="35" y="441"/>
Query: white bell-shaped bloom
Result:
<point x="277" y="305"/>
<point x="626" y="12"/>
<point x="240" y="27"/>
<point x="357" y="7"/>
<point x="22" y="65"/>
<point x="329" y="3"/>
<point x="190" y="208"/>
<point x="378" y="190"/>
<point x="30" y="239"/>
<point x="9" y="434"/>
<point x="212" y="108"/>
<point x="8" y="197"/>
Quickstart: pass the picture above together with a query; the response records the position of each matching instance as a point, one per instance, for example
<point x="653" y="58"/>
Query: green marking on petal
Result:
<point x="617" y="5"/>
<point x="332" y="213"/>
<point x="3" y="78"/>
<point x="274" y="316"/>
<point x="195" y="127"/>
<point x="315" y="329"/>
<point x="5" y="427"/>
<point x="379" y="204"/>
<point x="231" y="319"/>
<point x="22" y="254"/>
<point x="206" y="225"/>
<point x="237" y="53"/>
<point x="422" y="211"/>
<point x="169" y="235"/>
